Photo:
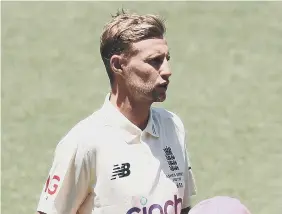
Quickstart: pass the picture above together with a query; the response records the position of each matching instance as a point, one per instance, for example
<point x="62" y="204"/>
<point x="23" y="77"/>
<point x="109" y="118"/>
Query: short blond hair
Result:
<point x="123" y="30"/>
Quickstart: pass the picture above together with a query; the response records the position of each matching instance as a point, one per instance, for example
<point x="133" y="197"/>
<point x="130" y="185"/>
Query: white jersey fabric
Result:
<point x="107" y="165"/>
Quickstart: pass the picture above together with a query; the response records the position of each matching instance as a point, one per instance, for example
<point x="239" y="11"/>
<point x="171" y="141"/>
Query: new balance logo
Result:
<point x="121" y="171"/>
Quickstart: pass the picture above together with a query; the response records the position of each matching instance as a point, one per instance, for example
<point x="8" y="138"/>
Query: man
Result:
<point x="220" y="205"/>
<point x="127" y="157"/>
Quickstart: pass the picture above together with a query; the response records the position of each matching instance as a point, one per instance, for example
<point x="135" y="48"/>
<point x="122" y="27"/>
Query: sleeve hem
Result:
<point x="44" y="208"/>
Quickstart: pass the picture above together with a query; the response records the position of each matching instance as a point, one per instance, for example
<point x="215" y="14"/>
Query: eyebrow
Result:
<point x="152" y="55"/>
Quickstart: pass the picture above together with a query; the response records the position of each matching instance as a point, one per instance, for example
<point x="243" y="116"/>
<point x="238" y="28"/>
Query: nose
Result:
<point x="165" y="71"/>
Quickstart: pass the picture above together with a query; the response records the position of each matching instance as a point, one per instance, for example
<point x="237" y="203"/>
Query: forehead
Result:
<point x="150" y="46"/>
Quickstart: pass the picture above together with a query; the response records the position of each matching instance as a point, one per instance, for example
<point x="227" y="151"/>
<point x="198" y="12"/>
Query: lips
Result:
<point x="163" y="85"/>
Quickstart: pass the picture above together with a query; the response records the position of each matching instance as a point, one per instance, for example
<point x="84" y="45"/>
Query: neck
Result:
<point x="136" y="112"/>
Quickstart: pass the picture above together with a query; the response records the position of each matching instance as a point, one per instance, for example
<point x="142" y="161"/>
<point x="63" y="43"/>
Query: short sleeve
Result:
<point x="69" y="180"/>
<point x="190" y="185"/>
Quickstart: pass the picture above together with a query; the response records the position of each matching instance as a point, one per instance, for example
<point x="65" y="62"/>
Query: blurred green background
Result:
<point x="226" y="86"/>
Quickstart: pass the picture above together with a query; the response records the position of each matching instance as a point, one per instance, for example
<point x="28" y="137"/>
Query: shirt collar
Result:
<point x="129" y="131"/>
<point x="151" y="127"/>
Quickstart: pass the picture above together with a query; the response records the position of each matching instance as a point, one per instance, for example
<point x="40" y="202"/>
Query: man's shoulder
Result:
<point x="165" y="116"/>
<point x="84" y="133"/>
<point x="88" y="126"/>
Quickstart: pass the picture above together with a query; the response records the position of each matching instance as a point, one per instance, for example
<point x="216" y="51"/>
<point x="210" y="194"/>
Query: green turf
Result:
<point x="226" y="86"/>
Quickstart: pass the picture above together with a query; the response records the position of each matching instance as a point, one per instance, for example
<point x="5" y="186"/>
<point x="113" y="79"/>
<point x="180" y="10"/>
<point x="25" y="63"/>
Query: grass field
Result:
<point x="226" y="86"/>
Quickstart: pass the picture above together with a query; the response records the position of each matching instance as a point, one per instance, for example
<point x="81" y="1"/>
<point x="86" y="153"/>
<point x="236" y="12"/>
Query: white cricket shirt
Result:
<point x="107" y="165"/>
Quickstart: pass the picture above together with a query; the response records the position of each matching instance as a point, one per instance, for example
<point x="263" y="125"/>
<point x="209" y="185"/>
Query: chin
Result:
<point x="160" y="98"/>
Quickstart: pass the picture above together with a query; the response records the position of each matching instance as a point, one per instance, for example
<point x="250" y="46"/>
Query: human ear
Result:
<point x="115" y="63"/>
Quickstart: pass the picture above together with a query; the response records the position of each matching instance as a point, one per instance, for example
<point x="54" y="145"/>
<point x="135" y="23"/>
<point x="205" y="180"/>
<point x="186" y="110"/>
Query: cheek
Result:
<point x="144" y="74"/>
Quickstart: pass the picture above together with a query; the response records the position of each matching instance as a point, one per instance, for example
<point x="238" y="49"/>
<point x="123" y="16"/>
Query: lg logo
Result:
<point x="52" y="184"/>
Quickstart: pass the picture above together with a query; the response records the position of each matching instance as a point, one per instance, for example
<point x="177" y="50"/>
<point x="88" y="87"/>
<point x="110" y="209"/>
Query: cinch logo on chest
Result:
<point x="170" y="159"/>
<point x="121" y="171"/>
<point x="165" y="209"/>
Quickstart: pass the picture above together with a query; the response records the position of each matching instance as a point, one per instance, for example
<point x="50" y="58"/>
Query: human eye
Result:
<point x="168" y="57"/>
<point x="158" y="60"/>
